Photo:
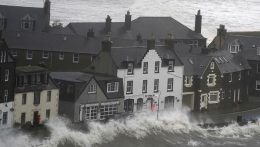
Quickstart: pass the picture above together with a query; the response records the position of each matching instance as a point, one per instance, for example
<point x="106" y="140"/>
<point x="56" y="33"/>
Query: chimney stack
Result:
<point x="91" y="33"/>
<point x="221" y="30"/>
<point x="106" y="44"/>
<point x="128" y="20"/>
<point x="198" y="20"/>
<point x="170" y="40"/>
<point x="108" y="24"/>
<point x="151" y="43"/>
<point x="47" y="12"/>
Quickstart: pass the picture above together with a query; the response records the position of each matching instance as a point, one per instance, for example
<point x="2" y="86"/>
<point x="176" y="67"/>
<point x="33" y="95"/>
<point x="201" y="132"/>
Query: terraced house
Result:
<point x="86" y="97"/>
<point x="151" y="74"/>
<point x="213" y="80"/>
<point x="36" y="96"/>
<point x="246" y="45"/>
<point x="7" y="81"/>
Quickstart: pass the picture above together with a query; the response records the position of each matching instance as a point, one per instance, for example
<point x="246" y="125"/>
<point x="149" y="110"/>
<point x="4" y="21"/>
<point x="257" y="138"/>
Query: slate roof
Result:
<point x="29" y="69"/>
<point x="195" y="62"/>
<point x="14" y="14"/>
<point x="80" y="77"/>
<point x="137" y="53"/>
<point x="52" y="42"/>
<point x="146" y="26"/>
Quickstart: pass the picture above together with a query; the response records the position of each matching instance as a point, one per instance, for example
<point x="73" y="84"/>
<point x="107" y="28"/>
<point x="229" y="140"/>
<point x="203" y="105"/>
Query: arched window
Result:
<point x="27" y="23"/>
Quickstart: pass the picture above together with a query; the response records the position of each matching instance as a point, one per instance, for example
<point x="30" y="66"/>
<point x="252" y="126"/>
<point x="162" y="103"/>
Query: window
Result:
<point x="91" y="112"/>
<point x="230" y="77"/>
<point x="129" y="87"/>
<point x="156" y="85"/>
<point x="26" y="24"/>
<point x="145" y="68"/>
<point x="48" y="113"/>
<point x="6" y="96"/>
<point x="234" y="48"/>
<point x="188" y="81"/>
<point x="157" y="67"/>
<point x="6" y="75"/>
<point x="211" y="81"/>
<point x="23" y="118"/>
<point x="107" y="111"/>
<point x="24" y="99"/>
<point x="5" y="118"/>
<point x="92" y="88"/>
<point x="212" y="65"/>
<point x="144" y="88"/>
<point x="61" y="56"/>
<point x="258" y="68"/>
<point x="130" y="68"/>
<point x="29" y="55"/>
<point x="112" y="87"/>
<point x="258" y="51"/>
<point x="48" y="96"/>
<point x="37" y="98"/>
<point x="257" y="84"/>
<point x="171" y="66"/>
<point x="213" y="97"/>
<point x="239" y="75"/>
<point x="75" y="58"/>
<point x="45" y="54"/>
<point x="170" y="84"/>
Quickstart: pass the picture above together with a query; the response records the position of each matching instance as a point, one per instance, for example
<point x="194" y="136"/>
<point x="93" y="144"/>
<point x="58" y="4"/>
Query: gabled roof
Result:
<point x="14" y="14"/>
<point x="85" y="78"/>
<point x="196" y="62"/>
<point x="160" y="27"/>
<point x="52" y="42"/>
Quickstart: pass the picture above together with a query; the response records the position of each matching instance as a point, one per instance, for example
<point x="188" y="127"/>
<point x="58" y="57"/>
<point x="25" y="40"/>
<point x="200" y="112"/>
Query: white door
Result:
<point x="203" y="101"/>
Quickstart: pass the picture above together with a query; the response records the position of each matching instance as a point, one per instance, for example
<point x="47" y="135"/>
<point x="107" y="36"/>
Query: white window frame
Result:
<point x="144" y="86"/>
<point x="213" y="80"/>
<point x="230" y="77"/>
<point x="129" y="87"/>
<point x="130" y="68"/>
<point x="75" y="58"/>
<point x="92" y="88"/>
<point x="112" y="87"/>
<point x="257" y="85"/>
<point x="156" y="86"/>
<point x="213" y="93"/>
<point x="188" y="81"/>
<point x="145" y="67"/>
<point x="61" y="56"/>
<point x="170" y="84"/>
<point x="171" y="66"/>
<point x="5" y="95"/>
<point x="234" y="48"/>
<point x="239" y="75"/>
<point x="156" y="66"/>
<point x="212" y="65"/>
<point x="45" y="54"/>
<point x="7" y="74"/>
<point x="29" y="54"/>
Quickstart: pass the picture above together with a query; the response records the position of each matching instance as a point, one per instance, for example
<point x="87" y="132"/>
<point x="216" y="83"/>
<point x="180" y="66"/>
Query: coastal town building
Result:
<point x="246" y="45"/>
<point x="85" y="96"/>
<point x="152" y="75"/>
<point x="7" y="81"/>
<point x="213" y="79"/>
<point x="36" y="96"/>
<point x="30" y="19"/>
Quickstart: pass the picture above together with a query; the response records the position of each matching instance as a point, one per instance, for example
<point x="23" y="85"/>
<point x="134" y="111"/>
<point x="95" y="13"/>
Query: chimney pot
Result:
<point x="128" y="19"/>
<point x="198" y="22"/>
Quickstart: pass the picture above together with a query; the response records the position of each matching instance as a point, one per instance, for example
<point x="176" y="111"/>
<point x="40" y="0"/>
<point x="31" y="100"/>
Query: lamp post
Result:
<point x="158" y="109"/>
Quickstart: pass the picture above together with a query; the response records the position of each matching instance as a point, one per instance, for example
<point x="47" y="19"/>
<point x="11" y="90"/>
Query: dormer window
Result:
<point x="130" y="68"/>
<point x="27" y="23"/>
<point x="112" y="87"/>
<point x="75" y="58"/>
<point x="45" y="55"/>
<point x="171" y="66"/>
<point x="234" y="47"/>
<point x="212" y="65"/>
<point x="92" y="88"/>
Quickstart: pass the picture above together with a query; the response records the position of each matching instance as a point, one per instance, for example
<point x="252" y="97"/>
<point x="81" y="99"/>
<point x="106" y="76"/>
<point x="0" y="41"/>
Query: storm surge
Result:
<point x="171" y="129"/>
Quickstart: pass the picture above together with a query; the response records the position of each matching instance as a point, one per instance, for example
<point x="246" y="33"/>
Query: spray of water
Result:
<point x="176" y="124"/>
